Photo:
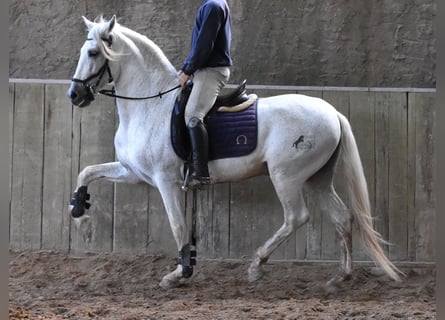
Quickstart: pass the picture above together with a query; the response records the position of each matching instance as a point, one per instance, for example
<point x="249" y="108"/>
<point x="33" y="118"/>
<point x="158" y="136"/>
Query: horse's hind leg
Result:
<point x="321" y="188"/>
<point x="342" y="218"/>
<point x="331" y="204"/>
<point x="295" y="215"/>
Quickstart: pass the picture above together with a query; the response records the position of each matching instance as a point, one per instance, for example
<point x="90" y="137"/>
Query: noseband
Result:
<point x="91" y="87"/>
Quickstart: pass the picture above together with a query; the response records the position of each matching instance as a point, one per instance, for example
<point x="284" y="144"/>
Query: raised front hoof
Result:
<point x="76" y="211"/>
<point x="254" y="274"/>
<point x="168" y="284"/>
<point x="79" y="203"/>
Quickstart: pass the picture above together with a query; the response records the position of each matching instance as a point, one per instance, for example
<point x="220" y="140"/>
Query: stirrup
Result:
<point x="198" y="182"/>
<point x="192" y="182"/>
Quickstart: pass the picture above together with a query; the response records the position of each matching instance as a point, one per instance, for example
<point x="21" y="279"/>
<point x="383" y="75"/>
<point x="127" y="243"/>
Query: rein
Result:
<point x="111" y="93"/>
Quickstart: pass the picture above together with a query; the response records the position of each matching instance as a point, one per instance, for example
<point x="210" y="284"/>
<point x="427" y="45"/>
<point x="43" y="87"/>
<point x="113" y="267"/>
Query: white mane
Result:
<point x="126" y="42"/>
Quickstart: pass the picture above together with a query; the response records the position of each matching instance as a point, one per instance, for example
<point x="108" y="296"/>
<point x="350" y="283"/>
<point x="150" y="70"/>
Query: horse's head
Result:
<point x="93" y="62"/>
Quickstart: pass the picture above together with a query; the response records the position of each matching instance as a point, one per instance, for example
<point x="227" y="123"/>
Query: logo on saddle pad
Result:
<point x="231" y="134"/>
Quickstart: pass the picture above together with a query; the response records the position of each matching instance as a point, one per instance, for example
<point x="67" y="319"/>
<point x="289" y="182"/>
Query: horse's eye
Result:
<point x="93" y="53"/>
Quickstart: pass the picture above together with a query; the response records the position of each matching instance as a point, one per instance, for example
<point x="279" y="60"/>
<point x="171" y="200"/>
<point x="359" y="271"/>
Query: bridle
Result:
<point x="91" y="87"/>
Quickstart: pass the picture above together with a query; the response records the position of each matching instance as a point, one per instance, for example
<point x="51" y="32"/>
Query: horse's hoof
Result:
<point x="79" y="202"/>
<point x="76" y="211"/>
<point x="168" y="284"/>
<point x="333" y="285"/>
<point x="254" y="274"/>
<point x="82" y="221"/>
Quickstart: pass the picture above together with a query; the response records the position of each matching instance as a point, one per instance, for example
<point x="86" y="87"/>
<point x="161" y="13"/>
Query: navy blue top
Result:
<point x="210" y="38"/>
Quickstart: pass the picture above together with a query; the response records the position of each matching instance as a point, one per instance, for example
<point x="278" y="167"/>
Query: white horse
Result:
<point x="138" y="68"/>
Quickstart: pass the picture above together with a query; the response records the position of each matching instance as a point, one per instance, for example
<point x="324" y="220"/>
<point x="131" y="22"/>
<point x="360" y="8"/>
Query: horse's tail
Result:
<point x="359" y="199"/>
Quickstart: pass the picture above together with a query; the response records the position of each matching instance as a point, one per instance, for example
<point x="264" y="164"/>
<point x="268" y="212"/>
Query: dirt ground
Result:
<point x="49" y="285"/>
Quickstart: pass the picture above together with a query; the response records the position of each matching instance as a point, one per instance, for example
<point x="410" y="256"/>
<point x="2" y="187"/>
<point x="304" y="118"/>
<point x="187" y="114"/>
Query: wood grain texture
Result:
<point x="93" y="130"/>
<point x="214" y="221"/>
<point x="131" y="206"/>
<point x="362" y="117"/>
<point x="10" y="148"/>
<point x="423" y="200"/>
<point x="57" y="169"/>
<point x="27" y="167"/>
<point x="381" y="211"/>
<point x="397" y="175"/>
<point x="160" y="236"/>
<point x="50" y="142"/>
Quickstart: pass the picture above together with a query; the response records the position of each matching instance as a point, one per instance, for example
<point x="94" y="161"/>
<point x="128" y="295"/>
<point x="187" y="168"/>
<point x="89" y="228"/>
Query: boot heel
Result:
<point x="198" y="182"/>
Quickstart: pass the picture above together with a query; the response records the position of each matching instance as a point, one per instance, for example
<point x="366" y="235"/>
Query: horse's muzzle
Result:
<point x="80" y="95"/>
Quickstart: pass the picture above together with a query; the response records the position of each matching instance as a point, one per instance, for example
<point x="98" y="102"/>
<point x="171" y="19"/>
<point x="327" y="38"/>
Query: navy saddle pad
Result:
<point x="231" y="134"/>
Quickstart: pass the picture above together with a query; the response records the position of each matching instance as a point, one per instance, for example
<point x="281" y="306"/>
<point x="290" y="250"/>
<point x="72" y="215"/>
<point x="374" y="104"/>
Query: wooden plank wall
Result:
<point x="51" y="141"/>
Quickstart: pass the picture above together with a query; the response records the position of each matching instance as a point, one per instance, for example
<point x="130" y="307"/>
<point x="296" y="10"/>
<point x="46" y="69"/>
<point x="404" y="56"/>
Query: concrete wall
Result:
<point x="378" y="43"/>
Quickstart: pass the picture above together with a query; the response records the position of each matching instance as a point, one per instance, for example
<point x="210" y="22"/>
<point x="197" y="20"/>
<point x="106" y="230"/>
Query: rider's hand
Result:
<point x="183" y="78"/>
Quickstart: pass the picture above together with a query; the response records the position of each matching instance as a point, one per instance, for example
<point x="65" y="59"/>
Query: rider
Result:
<point x="208" y="63"/>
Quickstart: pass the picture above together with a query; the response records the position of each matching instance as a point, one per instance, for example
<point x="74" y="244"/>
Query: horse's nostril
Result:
<point x="71" y="94"/>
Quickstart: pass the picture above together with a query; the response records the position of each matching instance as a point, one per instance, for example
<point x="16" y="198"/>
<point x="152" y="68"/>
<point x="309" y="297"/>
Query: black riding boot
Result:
<point x="200" y="151"/>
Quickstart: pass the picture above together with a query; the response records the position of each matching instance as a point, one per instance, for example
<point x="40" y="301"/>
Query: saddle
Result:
<point x="231" y="124"/>
<point x="232" y="98"/>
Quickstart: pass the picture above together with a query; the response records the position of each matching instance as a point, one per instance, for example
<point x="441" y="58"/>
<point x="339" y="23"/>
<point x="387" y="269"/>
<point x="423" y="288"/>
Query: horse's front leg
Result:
<point x="112" y="171"/>
<point x="174" y="201"/>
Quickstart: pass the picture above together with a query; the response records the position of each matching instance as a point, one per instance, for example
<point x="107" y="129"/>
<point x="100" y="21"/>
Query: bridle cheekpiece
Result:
<point x="91" y="87"/>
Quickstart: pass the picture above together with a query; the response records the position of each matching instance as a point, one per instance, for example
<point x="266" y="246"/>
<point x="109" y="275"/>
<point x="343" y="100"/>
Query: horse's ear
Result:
<point x="111" y="23"/>
<point x="88" y="23"/>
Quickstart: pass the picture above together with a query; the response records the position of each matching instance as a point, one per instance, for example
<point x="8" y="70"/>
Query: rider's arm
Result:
<point x="209" y="21"/>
